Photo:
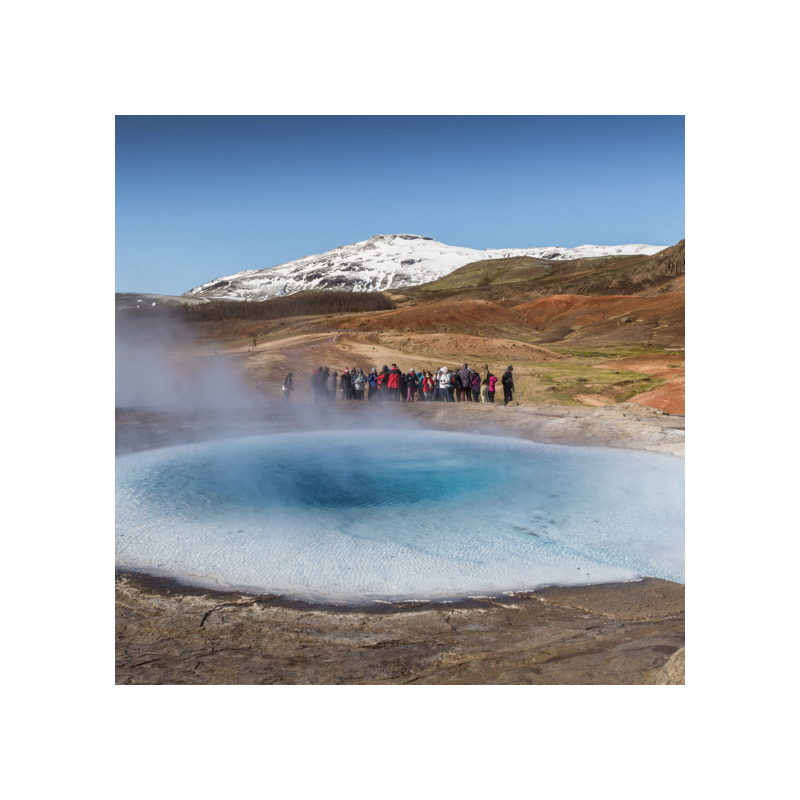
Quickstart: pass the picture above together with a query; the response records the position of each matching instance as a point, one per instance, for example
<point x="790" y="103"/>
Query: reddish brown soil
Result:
<point x="468" y="317"/>
<point x="671" y="397"/>
<point x="617" y="318"/>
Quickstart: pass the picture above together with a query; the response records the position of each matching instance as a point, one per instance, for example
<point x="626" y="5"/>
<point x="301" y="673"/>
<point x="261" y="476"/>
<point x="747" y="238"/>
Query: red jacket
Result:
<point x="395" y="377"/>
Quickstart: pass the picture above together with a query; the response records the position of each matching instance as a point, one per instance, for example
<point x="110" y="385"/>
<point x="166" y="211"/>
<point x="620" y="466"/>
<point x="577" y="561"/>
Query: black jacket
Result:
<point x="508" y="380"/>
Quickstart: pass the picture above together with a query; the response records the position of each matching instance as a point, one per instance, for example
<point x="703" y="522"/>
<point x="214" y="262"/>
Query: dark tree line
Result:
<point x="295" y="305"/>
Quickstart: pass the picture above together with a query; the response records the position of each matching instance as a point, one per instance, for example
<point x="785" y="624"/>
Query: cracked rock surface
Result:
<point x="608" y="634"/>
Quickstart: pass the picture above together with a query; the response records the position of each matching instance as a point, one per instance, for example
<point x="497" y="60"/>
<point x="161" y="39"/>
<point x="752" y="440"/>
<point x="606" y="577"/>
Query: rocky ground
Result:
<point x="607" y="634"/>
<point x="624" y="425"/>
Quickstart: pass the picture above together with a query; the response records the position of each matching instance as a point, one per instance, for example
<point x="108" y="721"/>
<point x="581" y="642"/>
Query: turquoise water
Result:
<point x="343" y="516"/>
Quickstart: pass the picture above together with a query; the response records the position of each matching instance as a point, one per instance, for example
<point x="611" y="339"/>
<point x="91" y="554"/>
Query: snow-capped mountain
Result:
<point x="381" y="263"/>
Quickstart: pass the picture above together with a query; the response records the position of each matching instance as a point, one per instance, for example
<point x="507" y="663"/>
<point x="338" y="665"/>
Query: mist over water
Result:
<point x="346" y="516"/>
<point x="160" y="367"/>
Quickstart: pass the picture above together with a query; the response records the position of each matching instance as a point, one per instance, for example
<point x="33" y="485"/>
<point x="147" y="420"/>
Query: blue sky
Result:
<point x="201" y="197"/>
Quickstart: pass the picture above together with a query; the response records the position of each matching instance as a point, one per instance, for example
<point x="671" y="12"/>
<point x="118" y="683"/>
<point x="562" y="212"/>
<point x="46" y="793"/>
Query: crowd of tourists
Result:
<point x="394" y="385"/>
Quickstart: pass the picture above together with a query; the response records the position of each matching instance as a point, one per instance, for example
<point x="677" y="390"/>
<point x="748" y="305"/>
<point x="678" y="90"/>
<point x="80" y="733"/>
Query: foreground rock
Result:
<point x="674" y="671"/>
<point x="609" y="634"/>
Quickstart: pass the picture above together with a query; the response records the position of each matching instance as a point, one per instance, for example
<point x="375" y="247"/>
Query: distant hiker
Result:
<point x="508" y="386"/>
<point x="254" y="344"/>
<point x="492" y="383"/>
<point x="463" y="381"/>
<point x="330" y="386"/>
<point x="485" y="375"/>
<point x="476" y="387"/>
<point x="287" y="386"/>
<point x="395" y="382"/>
<point x="346" y="384"/>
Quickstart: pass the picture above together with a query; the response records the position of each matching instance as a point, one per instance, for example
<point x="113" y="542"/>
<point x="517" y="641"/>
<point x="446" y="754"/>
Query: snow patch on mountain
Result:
<point x="382" y="263"/>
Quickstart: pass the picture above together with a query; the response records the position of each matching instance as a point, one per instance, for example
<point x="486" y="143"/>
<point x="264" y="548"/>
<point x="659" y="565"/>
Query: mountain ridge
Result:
<point x="385" y="262"/>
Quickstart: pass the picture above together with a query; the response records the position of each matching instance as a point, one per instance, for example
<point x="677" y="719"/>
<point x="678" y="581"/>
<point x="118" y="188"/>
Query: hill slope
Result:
<point x="525" y="278"/>
<point x="614" y="319"/>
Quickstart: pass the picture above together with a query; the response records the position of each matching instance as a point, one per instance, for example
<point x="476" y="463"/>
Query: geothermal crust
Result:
<point x="604" y="634"/>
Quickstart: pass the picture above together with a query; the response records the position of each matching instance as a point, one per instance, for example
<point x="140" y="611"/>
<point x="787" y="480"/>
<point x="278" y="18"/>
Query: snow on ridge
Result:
<point x="383" y="262"/>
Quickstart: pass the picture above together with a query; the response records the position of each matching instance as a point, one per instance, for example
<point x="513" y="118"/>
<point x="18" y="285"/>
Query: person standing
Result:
<point x="445" y="385"/>
<point x="323" y="384"/>
<point x="476" y="387"/>
<point x="508" y="386"/>
<point x="330" y="386"/>
<point x="254" y="343"/>
<point x="411" y="386"/>
<point x="287" y="386"/>
<point x="427" y="386"/>
<point x="485" y="374"/>
<point x="492" y="384"/>
<point x="420" y="381"/>
<point x="395" y="383"/>
<point x="346" y="385"/>
<point x="315" y="384"/>
<point x="372" y="384"/>
<point x="463" y="380"/>
<point x="383" y="383"/>
<point x="359" y="380"/>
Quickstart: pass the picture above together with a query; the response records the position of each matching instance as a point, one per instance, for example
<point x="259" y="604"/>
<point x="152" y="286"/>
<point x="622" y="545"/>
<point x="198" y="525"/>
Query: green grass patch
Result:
<point x="558" y="383"/>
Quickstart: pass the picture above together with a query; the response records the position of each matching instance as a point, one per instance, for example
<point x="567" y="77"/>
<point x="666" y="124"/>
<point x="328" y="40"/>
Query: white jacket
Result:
<point x="445" y="379"/>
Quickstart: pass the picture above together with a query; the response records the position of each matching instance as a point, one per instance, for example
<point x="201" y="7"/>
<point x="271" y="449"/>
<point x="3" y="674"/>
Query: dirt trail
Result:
<point x="442" y="349"/>
<point x="302" y="354"/>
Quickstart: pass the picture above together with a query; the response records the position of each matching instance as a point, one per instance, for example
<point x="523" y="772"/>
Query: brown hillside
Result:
<point x="469" y="317"/>
<point x="620" y="319"/>
<point x="526" y="279"/>
<point x="448" y="347"/>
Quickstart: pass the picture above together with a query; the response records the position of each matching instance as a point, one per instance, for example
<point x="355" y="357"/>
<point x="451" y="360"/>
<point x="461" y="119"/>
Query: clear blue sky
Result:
<point x="201" y="197"/>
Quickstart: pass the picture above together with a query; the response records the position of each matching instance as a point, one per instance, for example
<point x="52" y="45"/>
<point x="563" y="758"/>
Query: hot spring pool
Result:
<point x="380" y="515"/>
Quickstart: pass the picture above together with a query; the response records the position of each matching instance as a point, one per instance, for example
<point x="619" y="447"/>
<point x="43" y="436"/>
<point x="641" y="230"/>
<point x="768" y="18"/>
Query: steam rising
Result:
<point x="160" y="368"/>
